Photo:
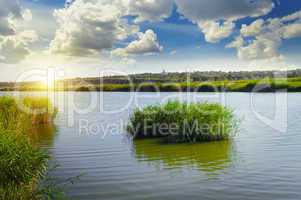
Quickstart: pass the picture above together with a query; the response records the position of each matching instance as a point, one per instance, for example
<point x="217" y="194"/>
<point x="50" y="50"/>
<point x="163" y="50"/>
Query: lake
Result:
<point x="262" y="161"/>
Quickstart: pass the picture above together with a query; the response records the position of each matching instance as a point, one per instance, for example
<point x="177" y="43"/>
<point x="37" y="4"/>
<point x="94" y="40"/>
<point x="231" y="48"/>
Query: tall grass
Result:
<point x="16" y="114"/>
<point x="21" y="166"/>
<point x="22" y="163"/>
<point x="183" y="122"/>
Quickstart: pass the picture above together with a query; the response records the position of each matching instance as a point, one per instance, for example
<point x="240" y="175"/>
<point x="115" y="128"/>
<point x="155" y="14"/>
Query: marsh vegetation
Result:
<point x="22" y="162"/>
<point x="183" y="122"/>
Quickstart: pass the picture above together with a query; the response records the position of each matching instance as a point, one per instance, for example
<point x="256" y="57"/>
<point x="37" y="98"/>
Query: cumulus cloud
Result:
<point x="9" y="12"/>
<point x="13" y="42"/>
<point x="146" y="43"/>
<point x="266" y="37"/>
<point x="215" y="31"/>
<point x="215" y="18"/>
<point x="14" y="48"/>
<point x="253" y="29"/>
<point x="149" y="10"/>
<point x="88" y="27"/>
<point x="91" y="26"/>
<point x="292" y="31"/>
<point x="223" y="10"/>
<point x="262" y="47"/>
<point x="10" y="7"/>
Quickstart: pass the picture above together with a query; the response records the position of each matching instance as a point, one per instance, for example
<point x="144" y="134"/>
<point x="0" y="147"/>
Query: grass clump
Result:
<point x="18" y="114"/>
<point x="40" y="110"/>
<point x="183" y="122"/>
<point x="22" y="163"/>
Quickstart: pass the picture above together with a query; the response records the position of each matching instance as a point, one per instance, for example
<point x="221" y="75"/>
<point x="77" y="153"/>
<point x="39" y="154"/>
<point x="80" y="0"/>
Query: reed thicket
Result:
<point x="22" y="164"/>
<point x="183" y="122"/>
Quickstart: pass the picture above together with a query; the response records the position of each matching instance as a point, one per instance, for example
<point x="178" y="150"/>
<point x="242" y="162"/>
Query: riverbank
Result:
<point x="256" y="85"/>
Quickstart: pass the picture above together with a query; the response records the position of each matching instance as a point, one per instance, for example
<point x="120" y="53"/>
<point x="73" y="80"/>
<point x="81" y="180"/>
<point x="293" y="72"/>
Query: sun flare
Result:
<point x="48" y="82"/>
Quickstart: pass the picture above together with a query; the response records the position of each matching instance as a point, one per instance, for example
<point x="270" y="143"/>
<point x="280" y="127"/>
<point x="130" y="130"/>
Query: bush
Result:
<point x="183" y="122"/>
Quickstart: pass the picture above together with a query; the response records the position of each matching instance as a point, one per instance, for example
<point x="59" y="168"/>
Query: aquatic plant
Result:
<point x="22" y="164"/>
<point x="19" y="113"/>
<point x="183" y="122"/>
<point x="39" y="109"/>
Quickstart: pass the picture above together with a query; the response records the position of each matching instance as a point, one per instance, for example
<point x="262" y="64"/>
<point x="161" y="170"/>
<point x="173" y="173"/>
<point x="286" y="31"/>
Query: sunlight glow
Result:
<point x="49" y="82"/>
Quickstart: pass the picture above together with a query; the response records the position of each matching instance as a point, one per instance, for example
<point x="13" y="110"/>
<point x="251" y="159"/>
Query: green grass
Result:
<point x="22" y="164"/>
<point x="182" y="122"/>
<point x="18" y="114"/>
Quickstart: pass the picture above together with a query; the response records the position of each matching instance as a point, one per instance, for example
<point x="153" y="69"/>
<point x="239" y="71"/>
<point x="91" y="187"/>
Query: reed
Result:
<point x="22" y="164"/>
<point x="16" y="114"/>
<point x="182" y="122"/>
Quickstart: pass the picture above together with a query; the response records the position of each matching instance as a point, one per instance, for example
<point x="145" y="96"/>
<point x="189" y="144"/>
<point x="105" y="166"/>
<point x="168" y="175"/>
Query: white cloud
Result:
<point x="43" y="22"/>
<point x="292" y="17"/>
<point x="14" y="48"/>
<point x="88" y="27"/>
<point x="91" y="26"/>
<point x="267" y="37"/>
<point x="236" y="43"/>
<point x="11" y="7"/>
<point x="14" y="42"/>
<point x="253" y="29"/>
<point x="9" y="12"/>
<point x="223" y="10"/>
<point x="149" y="10"/>
<point x="261" y="48"/>
<point x="6" y="27"/>
<point x="216" y="18"/>
<point x="146" y="43"/>
<point x="292" y="31"/>
<point x="215" y="31"/>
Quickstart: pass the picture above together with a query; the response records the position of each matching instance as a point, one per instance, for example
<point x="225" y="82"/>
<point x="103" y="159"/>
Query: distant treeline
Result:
<point x="174" y="77"/>
<point x="261" y="81"/>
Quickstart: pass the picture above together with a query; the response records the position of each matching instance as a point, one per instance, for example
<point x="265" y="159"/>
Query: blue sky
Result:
<point x="130" y="36"/>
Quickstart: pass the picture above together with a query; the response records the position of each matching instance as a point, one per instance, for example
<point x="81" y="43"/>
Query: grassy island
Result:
<point x="22" y="163"/>
<point x="182" y="122"/>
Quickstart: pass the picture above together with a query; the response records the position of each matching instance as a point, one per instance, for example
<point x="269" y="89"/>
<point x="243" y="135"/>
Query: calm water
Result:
<point x="263" y="161"/>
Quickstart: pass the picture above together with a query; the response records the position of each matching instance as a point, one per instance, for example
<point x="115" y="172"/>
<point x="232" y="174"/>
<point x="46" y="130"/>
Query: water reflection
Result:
<point x="211" y="158"/>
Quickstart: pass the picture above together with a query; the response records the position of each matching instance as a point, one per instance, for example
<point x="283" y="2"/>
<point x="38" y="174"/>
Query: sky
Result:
<point x="84" y="38"/>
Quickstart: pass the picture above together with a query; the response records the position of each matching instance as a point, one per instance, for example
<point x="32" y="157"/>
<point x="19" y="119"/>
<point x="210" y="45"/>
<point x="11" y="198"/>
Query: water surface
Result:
<point x="263" y="161"/>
